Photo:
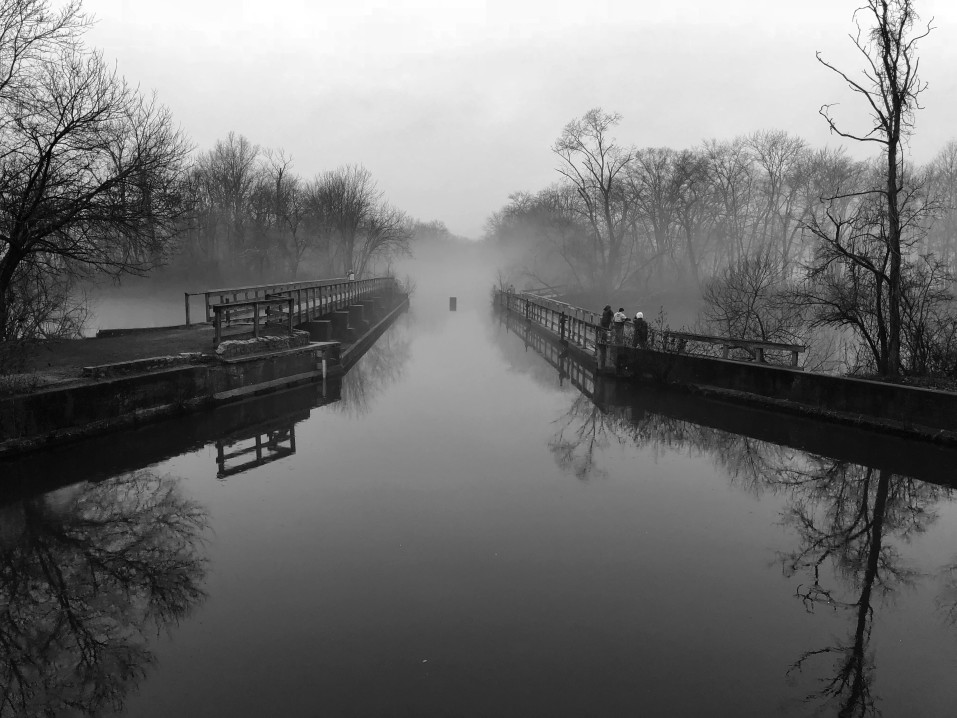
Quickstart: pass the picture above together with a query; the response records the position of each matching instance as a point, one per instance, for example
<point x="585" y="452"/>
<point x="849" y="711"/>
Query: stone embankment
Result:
<point x="927" y="414"/>
<point x="121" y="394"/>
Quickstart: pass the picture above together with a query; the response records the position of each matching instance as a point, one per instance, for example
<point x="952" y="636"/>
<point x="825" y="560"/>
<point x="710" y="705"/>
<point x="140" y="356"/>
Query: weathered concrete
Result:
<point x="902" y="410"/>
<point x="254" y="346"/>
<point x="137" y="366"/>
<point x="351" y="354"/>
<point x="369" y="311"/>
<point x="924" y="411"/>
<point x="103" y="455"/>
<point x="340" y="326"/>
<point x="47" y="416"/>
<point x="64" y="414"/>
<point x="357" y="318"/>
<point x="320" y="330"/>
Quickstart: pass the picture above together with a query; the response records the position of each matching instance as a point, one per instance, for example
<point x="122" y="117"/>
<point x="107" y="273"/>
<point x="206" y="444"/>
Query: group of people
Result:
<point x="617" y="321"/>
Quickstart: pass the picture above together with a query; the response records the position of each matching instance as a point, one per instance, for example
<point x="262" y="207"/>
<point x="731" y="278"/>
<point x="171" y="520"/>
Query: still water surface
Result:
<point x="464" y="533"/>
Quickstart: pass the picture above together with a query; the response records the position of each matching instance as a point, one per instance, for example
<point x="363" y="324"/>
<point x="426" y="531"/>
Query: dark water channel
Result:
<point x="459" y="530"/>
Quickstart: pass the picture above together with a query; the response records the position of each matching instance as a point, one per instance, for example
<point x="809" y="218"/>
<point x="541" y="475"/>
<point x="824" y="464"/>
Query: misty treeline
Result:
<point x="780" y="239"/>
<point x="97" y="180"/>
<point x="647" y="218"/>
<point x="253" y="217"/>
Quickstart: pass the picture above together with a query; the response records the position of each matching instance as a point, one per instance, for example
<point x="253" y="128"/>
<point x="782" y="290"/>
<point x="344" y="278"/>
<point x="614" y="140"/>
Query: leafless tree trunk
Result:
<point x="90" y="171"/>
<point x="890" y="87"/>
<point x="595" y="166"/>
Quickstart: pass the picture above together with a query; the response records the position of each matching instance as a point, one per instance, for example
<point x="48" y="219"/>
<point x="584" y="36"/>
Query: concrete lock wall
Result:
<point x="43" y="412"/>
<point x="930" y="414"/>
<point x="891" y="402"/>
<point x="54" y="416"/>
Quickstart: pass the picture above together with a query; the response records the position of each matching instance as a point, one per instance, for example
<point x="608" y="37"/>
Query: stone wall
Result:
<point x="859" y="400"/>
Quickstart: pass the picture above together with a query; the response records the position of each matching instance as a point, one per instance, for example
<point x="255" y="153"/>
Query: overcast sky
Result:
<point x="454" y="104"/>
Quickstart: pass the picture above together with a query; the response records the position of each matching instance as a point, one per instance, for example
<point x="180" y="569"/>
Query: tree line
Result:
<point x="780" y="238"/>
<point x="96" y="178"/>
<point x="252" y="216"/>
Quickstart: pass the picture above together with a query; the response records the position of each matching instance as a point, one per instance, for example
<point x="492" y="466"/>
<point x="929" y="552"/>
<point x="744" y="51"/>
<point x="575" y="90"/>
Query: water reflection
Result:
<point x="382" y="365"/>
<point x="87" y="573"/>
<point x="853" y="518"/>
<point x="848" y="518"/>
<point x="584" y="431"/>
<point x="258" y="449"/>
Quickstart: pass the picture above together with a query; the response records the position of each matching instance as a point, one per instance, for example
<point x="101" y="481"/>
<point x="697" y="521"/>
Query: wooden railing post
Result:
<point x="256" y="320"/>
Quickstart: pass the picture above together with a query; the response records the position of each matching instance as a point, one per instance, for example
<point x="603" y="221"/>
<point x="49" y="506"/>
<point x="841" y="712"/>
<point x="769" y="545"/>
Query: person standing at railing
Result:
<point x="619" y="320"/>
<point x="641" y="331"/>
<point x="606" y="317"/>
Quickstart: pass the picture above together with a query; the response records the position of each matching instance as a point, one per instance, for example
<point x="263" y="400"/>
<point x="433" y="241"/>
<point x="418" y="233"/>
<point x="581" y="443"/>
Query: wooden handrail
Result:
<point x="342" y="287"/>
<point x="220" y="309"/>
<point x="754" y="347"/>
<point x="570" y="323"/>
<point x="709" y="339"/>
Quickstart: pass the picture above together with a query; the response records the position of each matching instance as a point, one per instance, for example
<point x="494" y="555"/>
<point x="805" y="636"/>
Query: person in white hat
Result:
<point x="641" y="331"/>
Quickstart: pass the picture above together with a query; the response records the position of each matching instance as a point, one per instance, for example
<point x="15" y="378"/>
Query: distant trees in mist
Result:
<point x="253" y="217"/>
<point x="683" y="215"/>
<point x="779" y="238"/>
<point x="97" y="179"/>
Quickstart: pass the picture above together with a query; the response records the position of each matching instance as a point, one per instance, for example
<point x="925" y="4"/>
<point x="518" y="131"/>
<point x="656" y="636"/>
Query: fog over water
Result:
<point x="461" y="531"/>
<point x="468" y="523"/>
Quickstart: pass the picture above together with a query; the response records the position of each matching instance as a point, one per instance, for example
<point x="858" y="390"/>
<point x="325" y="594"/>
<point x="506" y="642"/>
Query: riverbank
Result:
<point x="91" y="386"/>
<point x="61" y="361"/>
<point x="897" y="409"/>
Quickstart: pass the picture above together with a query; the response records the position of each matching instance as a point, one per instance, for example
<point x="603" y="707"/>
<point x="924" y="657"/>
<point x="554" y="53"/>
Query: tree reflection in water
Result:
<point x="852" y="518"/>
<point x="381" y="366"/>
<point x="585" y="429"/>
<point x="86" y="575"/>
<point x="849" y="519"/>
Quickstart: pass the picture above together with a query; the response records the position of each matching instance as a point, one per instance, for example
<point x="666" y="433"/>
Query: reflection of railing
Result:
<point x="313" y="298"/>
<point x="678" y="341"/>
<point x="240" y="314"/>
<point x="572" y="324"/>
<point x="580" y="374"/>
<point x="269" y="445"/>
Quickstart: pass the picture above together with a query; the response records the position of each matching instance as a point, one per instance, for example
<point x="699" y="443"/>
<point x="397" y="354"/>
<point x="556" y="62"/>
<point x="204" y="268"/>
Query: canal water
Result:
<point x="461" y="529"/>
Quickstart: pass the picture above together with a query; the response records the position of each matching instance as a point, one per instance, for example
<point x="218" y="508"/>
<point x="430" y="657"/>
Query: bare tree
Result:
<point x="595" y="166"/>
<point x="345" y="199"/>
<point x="224" y="179"/>
<point x="942" y="192"/>
<point x="656" y="186"/>
<point x="545" y="236"/>
<point x="386" y="235"/>
<point x="890" y="87"/>
<point x="90" y="171"/>
<point x="782" y="158"/>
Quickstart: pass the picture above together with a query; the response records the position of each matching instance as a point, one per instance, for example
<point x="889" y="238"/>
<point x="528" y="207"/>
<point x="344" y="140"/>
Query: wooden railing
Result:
<point x="237" y="315"/>
<point x="579" y="327"/>
<point x="312" y="298"/>
<point x="572" y="324"/>
<point x="678" y="342"/>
